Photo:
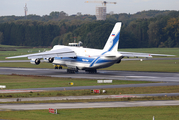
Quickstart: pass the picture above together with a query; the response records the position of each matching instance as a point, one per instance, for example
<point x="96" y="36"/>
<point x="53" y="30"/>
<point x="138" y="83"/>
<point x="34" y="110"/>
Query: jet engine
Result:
<point x="50" y="60"/>
<point x="35" y="61"/>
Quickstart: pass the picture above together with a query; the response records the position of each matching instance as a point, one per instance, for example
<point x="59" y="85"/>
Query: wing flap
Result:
<point x="63" y="52"/>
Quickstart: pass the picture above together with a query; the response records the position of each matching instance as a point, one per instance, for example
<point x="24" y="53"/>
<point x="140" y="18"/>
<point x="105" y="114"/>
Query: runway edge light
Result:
<point x="71" y="83"/>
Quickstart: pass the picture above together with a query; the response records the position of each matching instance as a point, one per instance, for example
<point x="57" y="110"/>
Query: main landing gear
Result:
<point x="72" y="70"/>
<point x="91" y="71"/>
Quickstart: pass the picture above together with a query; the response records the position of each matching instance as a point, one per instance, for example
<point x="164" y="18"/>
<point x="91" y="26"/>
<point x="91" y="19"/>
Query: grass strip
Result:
<point x="111" y="91"/>
<point x="131" y="113"/>
<point x="30" y="81"/>
<point x="7" y="51"/>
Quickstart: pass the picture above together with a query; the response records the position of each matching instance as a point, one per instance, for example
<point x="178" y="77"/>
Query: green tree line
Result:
<point x="145" y="29"/>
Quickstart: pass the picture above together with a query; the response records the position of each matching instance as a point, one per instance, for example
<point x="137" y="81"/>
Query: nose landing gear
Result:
<point x="72" y="71"/>
<point x="57" y="66"/>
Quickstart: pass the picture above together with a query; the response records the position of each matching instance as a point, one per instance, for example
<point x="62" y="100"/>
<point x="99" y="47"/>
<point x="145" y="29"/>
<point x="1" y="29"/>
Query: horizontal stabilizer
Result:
<point x="162" y="55"/>
<point x="147" y="55"/>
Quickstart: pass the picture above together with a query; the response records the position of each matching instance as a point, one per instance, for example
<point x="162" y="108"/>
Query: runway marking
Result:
<point x="25" y="69"/>
<point x="123" y="96"/>
<point x="17" y="91"/>
<point x="136" y="76"/>
<point x="142" y="77"/>
<point x="19" y="68"/>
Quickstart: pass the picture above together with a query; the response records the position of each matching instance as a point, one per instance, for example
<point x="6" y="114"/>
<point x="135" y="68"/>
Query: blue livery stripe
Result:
<point x="95" y="60"/>
<point x="115" y="40"/>
<point x="82" y="59"/>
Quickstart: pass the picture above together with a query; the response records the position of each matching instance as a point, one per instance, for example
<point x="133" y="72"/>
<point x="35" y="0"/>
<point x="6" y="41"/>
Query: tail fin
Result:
<point x="113" y="40"/>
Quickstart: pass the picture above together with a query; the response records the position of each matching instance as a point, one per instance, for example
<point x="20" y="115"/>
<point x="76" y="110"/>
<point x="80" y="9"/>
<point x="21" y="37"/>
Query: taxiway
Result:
<point x="4" y="107"/>
<point x="102" y="74"/>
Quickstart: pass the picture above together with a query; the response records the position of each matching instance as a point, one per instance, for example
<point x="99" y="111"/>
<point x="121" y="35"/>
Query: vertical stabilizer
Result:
<point x="113" y="40"/>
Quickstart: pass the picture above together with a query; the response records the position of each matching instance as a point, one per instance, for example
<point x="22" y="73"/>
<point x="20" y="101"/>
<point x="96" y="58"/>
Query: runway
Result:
<point x="102" y="74"/>
<point x="4" y="107"/>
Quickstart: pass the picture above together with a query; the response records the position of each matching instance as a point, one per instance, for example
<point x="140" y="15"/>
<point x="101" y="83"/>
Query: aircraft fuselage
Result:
<point x="87" y="58"/>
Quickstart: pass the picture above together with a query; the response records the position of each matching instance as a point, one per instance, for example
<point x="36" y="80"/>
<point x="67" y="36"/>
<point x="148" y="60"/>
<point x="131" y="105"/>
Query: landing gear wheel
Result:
<point x="72" y="71"/>
<point x="57" y="66"/>
<point x="91" y="71"/>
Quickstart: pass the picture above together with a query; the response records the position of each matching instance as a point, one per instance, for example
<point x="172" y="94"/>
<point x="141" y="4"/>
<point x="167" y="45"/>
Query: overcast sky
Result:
<point x="44" y="7"/>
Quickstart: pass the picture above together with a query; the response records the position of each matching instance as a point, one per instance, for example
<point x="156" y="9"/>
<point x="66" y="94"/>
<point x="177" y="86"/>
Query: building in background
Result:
<point x="101" y="11"/>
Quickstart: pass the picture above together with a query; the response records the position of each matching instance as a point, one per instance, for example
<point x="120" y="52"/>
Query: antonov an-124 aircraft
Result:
<point x="79" y="58"/>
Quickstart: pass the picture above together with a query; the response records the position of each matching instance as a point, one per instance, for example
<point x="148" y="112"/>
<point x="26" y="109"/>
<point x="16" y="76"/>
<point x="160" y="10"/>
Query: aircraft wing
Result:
<point x="147" y="55"/>
<point x="63" y="52"/>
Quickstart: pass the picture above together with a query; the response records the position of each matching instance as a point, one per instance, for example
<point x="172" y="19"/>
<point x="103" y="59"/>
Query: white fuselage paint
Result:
<point x="87" y="58"/>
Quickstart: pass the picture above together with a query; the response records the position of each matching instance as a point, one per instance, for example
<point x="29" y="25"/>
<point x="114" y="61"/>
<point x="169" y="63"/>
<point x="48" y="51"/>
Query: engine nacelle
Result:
<point x="50" y="60"/>
<point x="35" y="61"/>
